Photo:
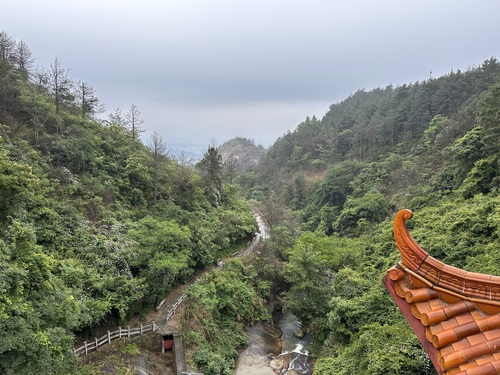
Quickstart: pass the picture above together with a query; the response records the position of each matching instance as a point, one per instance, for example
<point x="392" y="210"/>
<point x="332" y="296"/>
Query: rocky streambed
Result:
<point x="275" y="349"/>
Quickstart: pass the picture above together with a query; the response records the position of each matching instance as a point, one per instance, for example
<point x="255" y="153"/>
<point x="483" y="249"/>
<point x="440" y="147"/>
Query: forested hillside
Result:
<point x="390" y="146"/>
<point x="94" y="225"/>
<point x="332" y="186"/>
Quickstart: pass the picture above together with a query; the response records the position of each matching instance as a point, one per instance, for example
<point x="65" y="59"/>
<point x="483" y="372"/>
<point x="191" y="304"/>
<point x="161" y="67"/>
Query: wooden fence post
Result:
<point x="120" y="332"/>
<point x="96" y="346"/>
<point x="109" y="337"/>
<point x="86" y="350"/>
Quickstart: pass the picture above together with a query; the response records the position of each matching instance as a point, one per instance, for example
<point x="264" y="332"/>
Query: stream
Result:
<point x="274" y="349"/>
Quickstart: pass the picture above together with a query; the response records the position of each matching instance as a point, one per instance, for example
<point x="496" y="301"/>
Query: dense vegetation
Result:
<point x="332" y="186"/>
<point x="218" y="309"/>
<point x="94" y="225"/>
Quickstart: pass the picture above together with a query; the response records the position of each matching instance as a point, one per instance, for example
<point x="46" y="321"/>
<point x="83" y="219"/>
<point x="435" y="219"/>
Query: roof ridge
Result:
<point x="464" y="283"/>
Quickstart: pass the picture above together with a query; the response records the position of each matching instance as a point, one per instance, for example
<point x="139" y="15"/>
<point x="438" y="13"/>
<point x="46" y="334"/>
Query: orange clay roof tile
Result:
<point x="455" y="313"/>
<point x="491" y="335"/>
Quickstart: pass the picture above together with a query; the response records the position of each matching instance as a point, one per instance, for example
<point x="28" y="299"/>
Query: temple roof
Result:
<point x="454" y="313"/>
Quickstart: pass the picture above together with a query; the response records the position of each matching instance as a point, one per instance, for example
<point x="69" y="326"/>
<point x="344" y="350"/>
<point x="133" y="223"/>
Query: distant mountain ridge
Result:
<point x="243" y="152"/>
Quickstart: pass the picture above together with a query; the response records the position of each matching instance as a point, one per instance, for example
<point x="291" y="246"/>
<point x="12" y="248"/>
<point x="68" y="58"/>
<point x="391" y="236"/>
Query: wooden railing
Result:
<point x="119" y="333"/>
<point x="173" y="308"/>
<point x="110" y="336"/>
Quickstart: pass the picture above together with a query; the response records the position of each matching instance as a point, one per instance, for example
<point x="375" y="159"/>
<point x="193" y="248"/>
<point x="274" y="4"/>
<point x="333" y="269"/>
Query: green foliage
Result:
<point x="489" y="119"/>
<point x="357" y="302"/>
<point x="212" y="363"/>
<point x="211" y="170"/>
<point x="363" y="211"/>
<point x="482" y="178"/>
<point x="218" y="307"/>
<point x="327" y="199"/>
<point x="16" y="183"/>
<point x="379" y="350"/>
<point x="436" y="126"/>
<point x="37" y="310"/>
<point x="310" y="269"/>
<point x="131" y="349"/>
<point x="464" y="153"/>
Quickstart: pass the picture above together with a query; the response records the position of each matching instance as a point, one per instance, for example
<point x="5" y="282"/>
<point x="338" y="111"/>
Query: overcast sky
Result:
<point x="204" y="71"/>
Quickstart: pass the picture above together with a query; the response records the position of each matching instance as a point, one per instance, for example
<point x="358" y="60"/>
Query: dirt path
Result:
<point x="159" y="316"/>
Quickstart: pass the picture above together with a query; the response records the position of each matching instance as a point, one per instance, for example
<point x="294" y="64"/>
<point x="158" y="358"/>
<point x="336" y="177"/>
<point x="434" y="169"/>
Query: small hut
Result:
<point x="167" y="342"/>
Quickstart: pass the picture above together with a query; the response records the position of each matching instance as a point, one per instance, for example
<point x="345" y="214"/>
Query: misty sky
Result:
<point x="204" y="71"/>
